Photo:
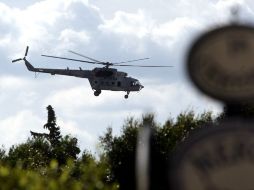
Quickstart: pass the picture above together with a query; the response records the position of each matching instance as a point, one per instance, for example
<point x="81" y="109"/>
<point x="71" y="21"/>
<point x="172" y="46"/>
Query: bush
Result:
<point x="54" y="178"/>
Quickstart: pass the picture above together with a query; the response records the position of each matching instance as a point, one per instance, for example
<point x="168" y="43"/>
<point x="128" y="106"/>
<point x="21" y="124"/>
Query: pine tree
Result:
<point x="54" y="135"/>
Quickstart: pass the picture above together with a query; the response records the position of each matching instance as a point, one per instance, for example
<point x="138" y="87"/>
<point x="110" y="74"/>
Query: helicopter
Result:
<point x="100" y="78"/>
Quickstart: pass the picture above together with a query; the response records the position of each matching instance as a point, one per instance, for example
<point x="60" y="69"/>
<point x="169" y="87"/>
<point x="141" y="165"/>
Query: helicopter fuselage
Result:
<point x="111" y="79"/>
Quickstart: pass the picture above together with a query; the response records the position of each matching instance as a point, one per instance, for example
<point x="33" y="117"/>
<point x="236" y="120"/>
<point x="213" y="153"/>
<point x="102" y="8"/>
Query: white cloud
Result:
<point x="44" y="23"/>
<point x="85" y="139"/>
<point x="15" y="129"/>
<point x="8" y="82"/>
<point x="169" y="33"/>
<point x="75" y="97"/>
<point x="128" y="24"/>
<point x="179" y="20"/>
<point x="69" y="38"/>
<point x="138" y="28"/>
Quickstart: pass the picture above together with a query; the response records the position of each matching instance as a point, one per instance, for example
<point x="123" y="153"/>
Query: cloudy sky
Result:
<point x="112" y="30"/>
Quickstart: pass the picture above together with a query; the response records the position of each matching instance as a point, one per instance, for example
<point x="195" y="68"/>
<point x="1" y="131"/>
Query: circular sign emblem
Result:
<point x="221" y="63"/>
<point x="217" y="158"/>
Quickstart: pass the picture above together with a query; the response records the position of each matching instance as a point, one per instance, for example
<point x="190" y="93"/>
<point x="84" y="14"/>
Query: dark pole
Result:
<point x="240" y="110"/>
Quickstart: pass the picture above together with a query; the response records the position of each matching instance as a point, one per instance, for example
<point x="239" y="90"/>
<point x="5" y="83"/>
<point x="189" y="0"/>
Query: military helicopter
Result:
<point x="103" y="78"/>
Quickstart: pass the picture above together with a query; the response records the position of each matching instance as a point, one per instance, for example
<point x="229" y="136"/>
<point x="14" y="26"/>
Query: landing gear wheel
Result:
<point x="97" y="92"/>
<point x="127" y="95"/>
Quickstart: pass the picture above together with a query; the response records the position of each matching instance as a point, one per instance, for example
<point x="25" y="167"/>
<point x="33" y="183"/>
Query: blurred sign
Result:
<point x="221" y="63"/>
<point x="217" y="158"/>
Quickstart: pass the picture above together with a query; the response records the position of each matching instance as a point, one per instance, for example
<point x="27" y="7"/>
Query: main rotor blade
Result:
<point x="15" y="60"/>
<point x="71" y="59"/>
<point x="84" y="56"/>
<point x="27" y="48"/>
<point x="141" y="66"/>
<point x="132" y="60"/>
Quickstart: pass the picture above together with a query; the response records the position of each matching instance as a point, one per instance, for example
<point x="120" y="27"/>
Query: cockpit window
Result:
<point x="135" y="83"/>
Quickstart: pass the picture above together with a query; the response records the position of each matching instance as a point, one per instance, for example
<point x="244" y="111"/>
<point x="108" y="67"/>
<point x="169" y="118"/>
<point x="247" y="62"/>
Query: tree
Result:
<point x="33" y="154"/>
<point x="120" y="151"/>
<point x="2" y="154"/>
<point x="54" y="135"/>
<point x="66" y="149"/>
<point x="62" y="148"/>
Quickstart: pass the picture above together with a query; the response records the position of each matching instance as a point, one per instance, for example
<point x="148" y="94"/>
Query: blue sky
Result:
<point x="109" y="30"/>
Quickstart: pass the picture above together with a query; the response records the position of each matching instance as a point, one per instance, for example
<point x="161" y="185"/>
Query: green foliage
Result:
<point x="2" y="155"/>
<point x="120" y="150"/>
<point x="50" y="160"/>
<point x="33" y="154"/>
<point x="67" y="148"/>
<point x="37" y="152"/>
<point x="54" y="135"/>
<point x="54" y="130"/>
<point x="86" y="157"/>
<point x="91" y="178"/>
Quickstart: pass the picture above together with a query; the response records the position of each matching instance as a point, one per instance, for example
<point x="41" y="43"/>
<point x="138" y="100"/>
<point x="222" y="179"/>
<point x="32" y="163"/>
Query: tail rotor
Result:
<point x="20" y="59"/>
<point x="16" y="60"/>
<point x="27" y="48"/>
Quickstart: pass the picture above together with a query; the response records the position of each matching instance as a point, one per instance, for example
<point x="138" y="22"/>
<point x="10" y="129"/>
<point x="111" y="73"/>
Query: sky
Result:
<point x="112" y="30"/>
